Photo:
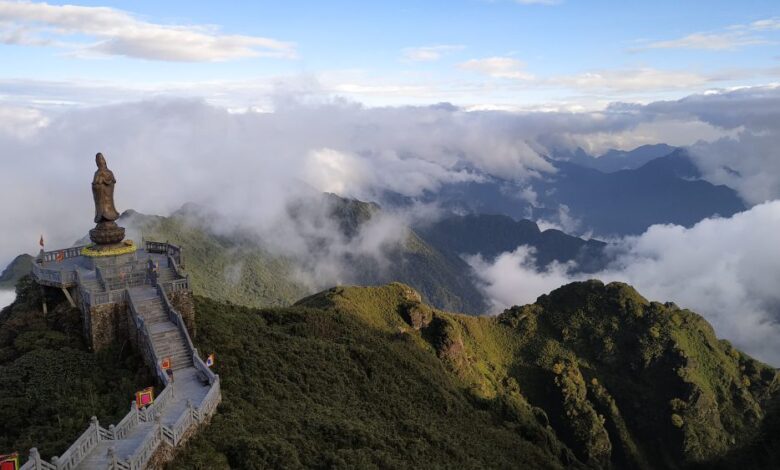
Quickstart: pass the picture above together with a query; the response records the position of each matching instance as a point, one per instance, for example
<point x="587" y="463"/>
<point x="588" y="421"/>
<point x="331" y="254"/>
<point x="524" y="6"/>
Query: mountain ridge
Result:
<point x="592" y="375"/>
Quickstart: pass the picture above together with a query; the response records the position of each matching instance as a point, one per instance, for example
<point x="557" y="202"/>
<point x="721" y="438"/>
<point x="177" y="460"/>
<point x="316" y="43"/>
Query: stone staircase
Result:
<point x="189" y="400"/>
<point x="166" y="274"/>
<point x="167" y="339"/>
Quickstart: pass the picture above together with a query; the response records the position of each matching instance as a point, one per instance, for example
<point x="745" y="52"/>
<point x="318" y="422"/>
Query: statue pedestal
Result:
<point x="107" y="234"/>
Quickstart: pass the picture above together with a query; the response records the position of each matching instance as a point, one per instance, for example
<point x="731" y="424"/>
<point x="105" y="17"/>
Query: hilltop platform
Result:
<point x="139" y="295"/>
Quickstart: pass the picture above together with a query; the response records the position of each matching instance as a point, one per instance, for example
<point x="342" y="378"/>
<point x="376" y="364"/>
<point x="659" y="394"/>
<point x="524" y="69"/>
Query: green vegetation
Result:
<point x="589" y="376"/>
<point x="235" y="269"/>
<point x="50" y="384"/>
<point x="238" y="268"/>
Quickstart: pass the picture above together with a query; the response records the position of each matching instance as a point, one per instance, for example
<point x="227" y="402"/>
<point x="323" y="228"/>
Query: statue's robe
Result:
<point x="103" y="192"/>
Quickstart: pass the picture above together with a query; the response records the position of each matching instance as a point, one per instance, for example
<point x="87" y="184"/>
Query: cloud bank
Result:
<point x="249" y="166"/>
<point x="6" y="298"/>
<point x="170" y="151"/>
<point x="724" y="269"/>
<point x="117" y="33"/>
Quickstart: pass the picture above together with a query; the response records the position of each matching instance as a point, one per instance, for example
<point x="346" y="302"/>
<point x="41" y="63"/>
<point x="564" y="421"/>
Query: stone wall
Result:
<point x="182" y="301"/>
<point x="107" y="325"/>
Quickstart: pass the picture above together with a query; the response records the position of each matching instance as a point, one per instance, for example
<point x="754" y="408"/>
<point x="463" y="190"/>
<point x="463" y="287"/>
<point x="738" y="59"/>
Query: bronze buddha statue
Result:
<point x="107" y="232"/>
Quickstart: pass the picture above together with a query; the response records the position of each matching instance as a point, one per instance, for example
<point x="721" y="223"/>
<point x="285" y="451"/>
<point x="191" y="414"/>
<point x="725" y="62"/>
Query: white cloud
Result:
<point x="6" y="298"/>
<point x="117" y="33"/>
<point x="767" y="24"/>
<point x="190" y="151"/>
<point x="633" y="80"/>
<point x="563" y="221"/>
<point x="674" y="132"/>
<point x="732" y="38"/>
<point x="512" y="278"/>
<point x="728" y="41"/>
<point x="724" y="269"/>
<point x="429" y="53"/>
<point x="246" y="166"/>
<point x="20" y="121"/>
<point x="498" y="67"/>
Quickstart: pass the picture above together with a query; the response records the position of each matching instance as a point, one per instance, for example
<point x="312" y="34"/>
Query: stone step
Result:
<point x="167" y="343"/>
<point x="149" y="307"/>
<point x="151" y="320"/>
<point x="167" y="335"/>
<point x="171" y="349"/>
<point x="179" y="357"/>
<point x="168" y="339"/>
<point x="161" y="315"/>
<point x="170" y="346"/>
<point x="151" y="310"/>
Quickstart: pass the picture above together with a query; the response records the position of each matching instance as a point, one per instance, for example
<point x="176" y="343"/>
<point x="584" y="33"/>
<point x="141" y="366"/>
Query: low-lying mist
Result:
<point x="724" y="269"/>
<point x="249" y="168"/>
<point x="6" y="297"/>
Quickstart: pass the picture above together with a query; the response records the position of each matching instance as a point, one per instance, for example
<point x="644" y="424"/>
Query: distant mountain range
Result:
<point x="663" y="191"/>
<point x="238" y="267"/>
<point x="491" y="235"/>
<point x="616" y="160"/>
<point x="599" y="198"/>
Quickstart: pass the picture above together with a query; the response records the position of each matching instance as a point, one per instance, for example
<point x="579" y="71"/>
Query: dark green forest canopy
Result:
<point x="50" y="384"/>
<point x="589" y="376"/>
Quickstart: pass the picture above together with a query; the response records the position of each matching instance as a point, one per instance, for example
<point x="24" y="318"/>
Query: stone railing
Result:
<point x="145" y="342"/>
<point x="149" y="413"/>
<point x="210" y="401"/>
<point x="173" y="435"/>
<point x="183" y="281"/>
<point x="55" y="277"/>
<point x="128" y="423"/>
<point x="166" y="249"/>
<point x="36" y="463"/>
<point x="60" y="255"/>
<point x="92" y="299"/>
<point x="141" y="456"/>
<point x="175" y="317"/>
<point x="180" y="427"/>
<point x="71" y="457"/>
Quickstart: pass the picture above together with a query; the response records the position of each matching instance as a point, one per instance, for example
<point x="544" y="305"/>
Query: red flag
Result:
<point x="41" y="242"/>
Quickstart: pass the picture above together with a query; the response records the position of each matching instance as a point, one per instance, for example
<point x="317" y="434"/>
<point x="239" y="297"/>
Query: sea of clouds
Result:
<point x="726" y="269"/>
<point x="248" y="167"/>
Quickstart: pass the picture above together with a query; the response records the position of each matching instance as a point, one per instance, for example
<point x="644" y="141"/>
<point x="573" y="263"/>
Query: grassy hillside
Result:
<point x="589" y="376"/>
<point x="239" y="268"/>
<point x="231" y="269"/>
<point x="50" y="384"/>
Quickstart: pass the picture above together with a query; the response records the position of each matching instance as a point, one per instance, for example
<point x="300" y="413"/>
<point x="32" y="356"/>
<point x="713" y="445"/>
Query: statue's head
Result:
<point x="101" y="162"/>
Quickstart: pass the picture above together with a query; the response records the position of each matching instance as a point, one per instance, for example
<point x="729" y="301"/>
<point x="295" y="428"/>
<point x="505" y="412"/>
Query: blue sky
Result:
<point x="505" y="54"/>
